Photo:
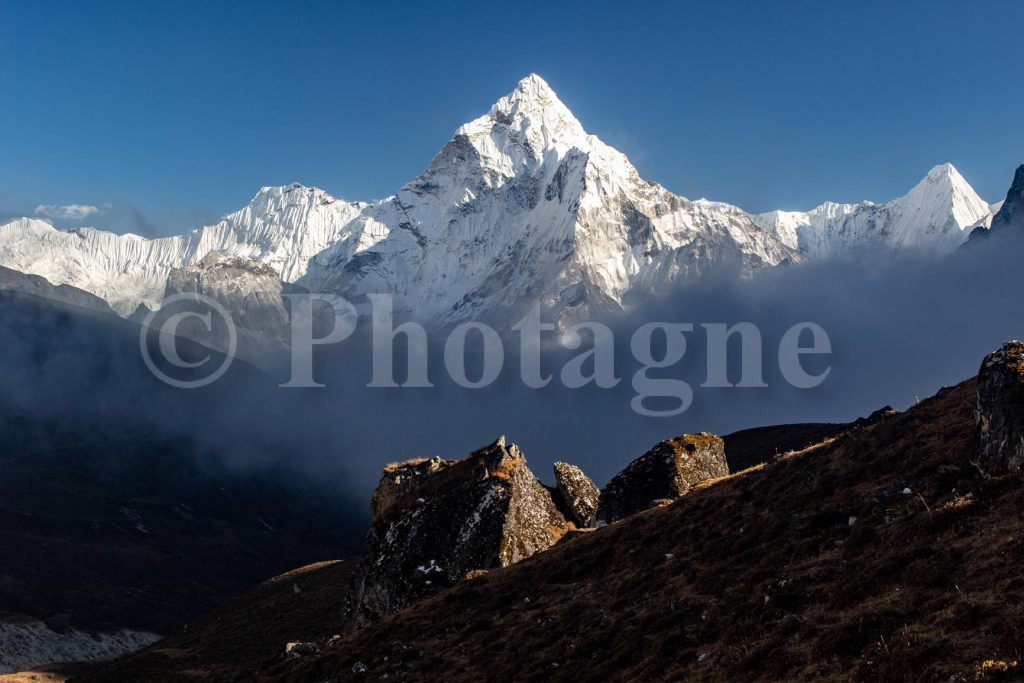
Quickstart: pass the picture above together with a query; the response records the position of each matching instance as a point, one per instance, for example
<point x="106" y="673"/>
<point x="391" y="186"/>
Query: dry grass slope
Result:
<point x="765" y="575"/>
<point x="818" y="564"/>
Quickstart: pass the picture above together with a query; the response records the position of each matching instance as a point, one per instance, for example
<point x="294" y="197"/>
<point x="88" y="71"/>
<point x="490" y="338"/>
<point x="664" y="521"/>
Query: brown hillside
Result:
<point x="762" y="575"/>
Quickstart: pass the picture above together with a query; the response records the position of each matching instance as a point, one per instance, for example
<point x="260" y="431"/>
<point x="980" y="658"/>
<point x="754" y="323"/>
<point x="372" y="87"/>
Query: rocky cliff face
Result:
<point x="252" y="295"/>
<point x="578" y="493"/>
<point x="436" y="520"/>
<point x="1000" y="412"/>
<point x="250" y="291"/>
<point x="669" y="470"/>
<point x="1011" y="213"/>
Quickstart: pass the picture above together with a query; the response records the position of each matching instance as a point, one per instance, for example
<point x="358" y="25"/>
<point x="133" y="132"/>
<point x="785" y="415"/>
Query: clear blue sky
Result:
<point x="173" y="114"/>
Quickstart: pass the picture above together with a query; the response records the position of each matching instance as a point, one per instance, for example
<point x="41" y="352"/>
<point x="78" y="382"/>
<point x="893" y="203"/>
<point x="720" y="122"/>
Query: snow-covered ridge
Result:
<point x="521" y="206"/>
<point x="934" y="218"/>
<point x="282" y="227"/>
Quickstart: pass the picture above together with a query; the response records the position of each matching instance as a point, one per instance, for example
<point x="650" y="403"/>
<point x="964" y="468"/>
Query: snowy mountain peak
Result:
<point x="944" y="171"/>
<point x="524" y="127"/>
<point x="533" y="98"/>
<point x="944" y="183"/>
<point x="522" y="205"/>
<point x="943" y="202"/>
<point x="934" y="218"/>
<point x="535" y="87"/>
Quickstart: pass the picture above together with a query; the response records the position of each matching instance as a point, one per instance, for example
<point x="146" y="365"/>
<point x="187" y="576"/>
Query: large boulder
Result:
<point x="669" y="470"/>
<point x="437" y="520"/>
<point x="1000" y="411"/>
<point x="578" y="493"/>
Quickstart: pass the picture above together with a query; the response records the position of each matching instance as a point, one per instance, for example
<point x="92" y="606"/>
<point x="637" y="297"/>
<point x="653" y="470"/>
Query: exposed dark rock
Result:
<point x="1000" y="412"/>
<point x="140" y="314"/>
<point x="669" y="470"/>
<point x="16" y="281"/>
<point x="1009" y="220"/>
<point x="876" y="416"/>
<point x="299" y="649"/>
<point x="435" y="521"/>
<point x="1012" y="211"/>
<point x="578" y="493"/>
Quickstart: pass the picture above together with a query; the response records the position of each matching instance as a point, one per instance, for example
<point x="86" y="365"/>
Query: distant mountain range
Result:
<point x="520" y="206"/>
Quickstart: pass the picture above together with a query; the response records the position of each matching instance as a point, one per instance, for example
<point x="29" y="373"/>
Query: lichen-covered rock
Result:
<point x="436" y="520"/>
<point x="399" y="479"/>
<point x="1000" y="411"/>
<point x="669" y="470"/>
<point x="578" y="493"/>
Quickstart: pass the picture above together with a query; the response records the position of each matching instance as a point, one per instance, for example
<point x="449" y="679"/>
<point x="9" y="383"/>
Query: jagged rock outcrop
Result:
<point x="436" y="520"/>
<point x="1000" y="412"/>
<point x="668" y="470"/>
<point x="578" y="493"/>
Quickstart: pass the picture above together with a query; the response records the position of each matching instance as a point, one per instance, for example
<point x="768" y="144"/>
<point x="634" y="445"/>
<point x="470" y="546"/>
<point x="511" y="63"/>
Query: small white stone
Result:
<point x="852" y="521"/>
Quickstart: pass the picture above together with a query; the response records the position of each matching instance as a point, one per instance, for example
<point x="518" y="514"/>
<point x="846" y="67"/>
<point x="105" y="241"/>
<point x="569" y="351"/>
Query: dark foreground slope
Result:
<point x="125" y="503"/>
<point x="880" y="554"/>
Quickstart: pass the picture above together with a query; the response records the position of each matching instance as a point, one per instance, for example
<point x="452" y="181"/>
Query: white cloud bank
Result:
<point x="74" y="212"/>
